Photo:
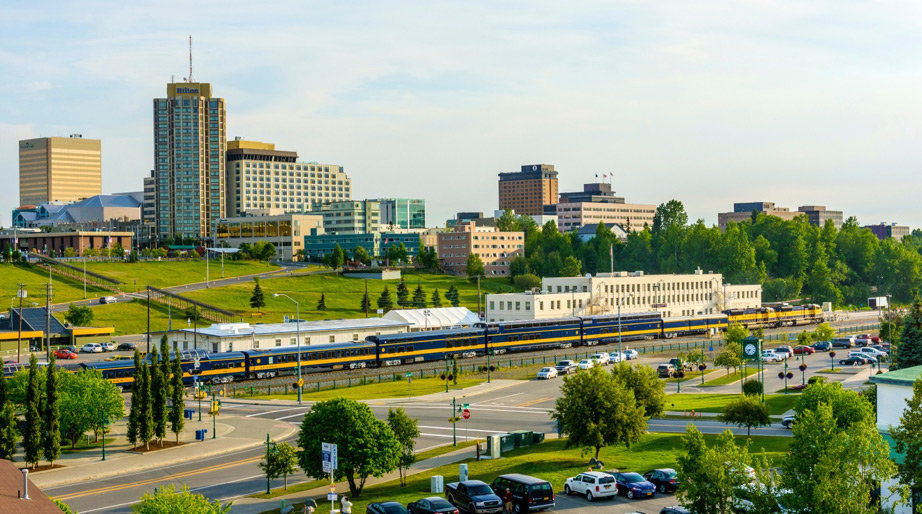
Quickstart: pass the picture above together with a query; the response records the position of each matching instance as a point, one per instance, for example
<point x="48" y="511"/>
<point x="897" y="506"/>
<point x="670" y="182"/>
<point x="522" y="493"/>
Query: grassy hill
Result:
<point x="35" y="279"/>
<point x="172" y="273"/>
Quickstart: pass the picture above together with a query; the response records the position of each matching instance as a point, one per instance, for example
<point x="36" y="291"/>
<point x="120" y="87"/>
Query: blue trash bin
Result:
<point x="199" y="435"/>
<point x="187" y="413"/>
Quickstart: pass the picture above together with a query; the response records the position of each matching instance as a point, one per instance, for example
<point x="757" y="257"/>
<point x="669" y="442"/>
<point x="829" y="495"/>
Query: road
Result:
<point x="522" y="406"/>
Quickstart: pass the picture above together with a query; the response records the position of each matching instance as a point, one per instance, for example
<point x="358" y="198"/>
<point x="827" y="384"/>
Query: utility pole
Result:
<point x="22" y="294"/>
<point x="47" y="320"/>
<point x="148" y="319"/>
<point x="367" y="300"/>
<point x="479" y="307"/>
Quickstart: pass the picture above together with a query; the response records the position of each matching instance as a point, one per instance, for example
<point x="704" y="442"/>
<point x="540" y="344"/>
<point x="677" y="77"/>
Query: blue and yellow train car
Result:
<point x="526" y="336"/>
<point x="604" y="328"/>
<point x="208" y="367"/>
<point x="700" y="324"/>
<point x="760" y="317"/>
<point x="283" y="360"/>
<point x="397" y="349"/>
<point x="799" y="314"/>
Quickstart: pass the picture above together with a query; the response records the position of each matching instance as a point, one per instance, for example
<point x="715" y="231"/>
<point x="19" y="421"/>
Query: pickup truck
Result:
<point x="473" y="497"/>
<point x="566" y="367"/>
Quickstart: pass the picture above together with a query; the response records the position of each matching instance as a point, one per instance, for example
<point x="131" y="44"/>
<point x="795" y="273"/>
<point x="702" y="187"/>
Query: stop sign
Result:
<point x="466" y="414"/>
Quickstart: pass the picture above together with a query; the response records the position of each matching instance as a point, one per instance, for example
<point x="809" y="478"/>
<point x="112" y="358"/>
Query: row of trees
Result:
<point x="156" y="397"/>
<point x="417" y="301"/>
<point x="791" y="259"/>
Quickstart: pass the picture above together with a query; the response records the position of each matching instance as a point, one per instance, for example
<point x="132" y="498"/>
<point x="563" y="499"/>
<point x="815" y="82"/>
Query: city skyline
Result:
<point x="707" y="106"/>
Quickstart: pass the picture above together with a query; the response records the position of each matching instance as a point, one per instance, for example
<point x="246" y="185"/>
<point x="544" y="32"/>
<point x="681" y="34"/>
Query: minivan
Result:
<point x="528" y="493"/>
<point x="843" y="342"/>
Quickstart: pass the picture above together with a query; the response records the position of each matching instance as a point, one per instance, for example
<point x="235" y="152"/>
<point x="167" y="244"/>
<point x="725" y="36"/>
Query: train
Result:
<point x="493" y="338"/>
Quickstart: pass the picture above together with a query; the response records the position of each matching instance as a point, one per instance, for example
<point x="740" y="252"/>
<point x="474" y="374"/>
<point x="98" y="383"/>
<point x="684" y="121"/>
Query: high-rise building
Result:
<point x="261" y="177"/>
<point x="59" y="169"/>
<point x="406" y="213"/>
<point x="190" y="135"/>
<point x="529" y="190"/>
<point x="150" y="197"/>
<point x="885" y="230"/>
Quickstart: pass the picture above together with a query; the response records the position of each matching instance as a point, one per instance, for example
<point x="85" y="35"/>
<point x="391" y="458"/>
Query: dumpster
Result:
<point x="537" y="437"/>
<point x="522" y="438"/>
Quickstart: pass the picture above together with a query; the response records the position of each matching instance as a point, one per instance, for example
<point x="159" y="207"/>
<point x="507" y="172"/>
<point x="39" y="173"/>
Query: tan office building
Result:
<point x="496" y="249"/>
<point x="528" y="191"/>
<point x="65" y="169"/>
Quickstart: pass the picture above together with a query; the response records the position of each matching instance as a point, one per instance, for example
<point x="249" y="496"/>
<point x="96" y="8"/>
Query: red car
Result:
<point x="804" y="350"/>
<point x="64" y="354"/>
<point x="866" y="339"/>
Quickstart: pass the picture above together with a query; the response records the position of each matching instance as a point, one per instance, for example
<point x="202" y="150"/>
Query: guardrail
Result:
<point x="207" y="311"/>
<point x="70" y="271"/>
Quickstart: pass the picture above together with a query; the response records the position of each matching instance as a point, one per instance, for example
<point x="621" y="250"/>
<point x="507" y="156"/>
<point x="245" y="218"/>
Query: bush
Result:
<point x="527" y="281"/>
<point x="752" y="387"/>
<point x="816" y="380"/>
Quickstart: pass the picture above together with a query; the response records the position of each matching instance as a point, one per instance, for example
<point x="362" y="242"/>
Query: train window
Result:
<point x="270" y="360"/>
<point x="409" y="348"/>
<point x="448" y="343"/>
<point x="400" y="349"/>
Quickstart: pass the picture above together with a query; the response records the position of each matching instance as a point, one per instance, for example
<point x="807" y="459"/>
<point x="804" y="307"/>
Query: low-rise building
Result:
<point x="672" y="295"/>
<point x="285" y="231"/>
<point x="742" y="212"/>
<point x="230" y="337"/>
<point x="596" y="204"/>
<point x="885" y="230"/>
<point x="57" y="243"/>
<point x="376" y="244"/>
<point x="893" y="389"/>
<point x="434" y="318"/>
<point x="496" y="249"/>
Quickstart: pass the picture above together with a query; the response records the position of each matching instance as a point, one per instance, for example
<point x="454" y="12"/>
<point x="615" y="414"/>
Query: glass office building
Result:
<point x="406" y="213"/>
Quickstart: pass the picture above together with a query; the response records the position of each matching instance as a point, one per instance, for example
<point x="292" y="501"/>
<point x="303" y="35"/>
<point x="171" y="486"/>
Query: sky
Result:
<point x="706" y="102"/>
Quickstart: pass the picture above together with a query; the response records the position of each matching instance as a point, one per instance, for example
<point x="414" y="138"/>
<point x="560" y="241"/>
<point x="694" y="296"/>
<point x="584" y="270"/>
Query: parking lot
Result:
<point x="617" y="505"/>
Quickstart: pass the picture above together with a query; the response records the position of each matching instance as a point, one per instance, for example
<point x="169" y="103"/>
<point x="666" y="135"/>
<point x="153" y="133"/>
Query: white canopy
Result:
<point x="434" y="318"/>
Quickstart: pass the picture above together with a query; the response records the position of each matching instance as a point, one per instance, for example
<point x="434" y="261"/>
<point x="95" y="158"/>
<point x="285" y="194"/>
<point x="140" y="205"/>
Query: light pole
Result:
<point x="426" y="313"/>
<point x="105" y="422"/>
<point x="298" y="325"/>
<point x="803" y="374"/>
<point x="889" y="320"/>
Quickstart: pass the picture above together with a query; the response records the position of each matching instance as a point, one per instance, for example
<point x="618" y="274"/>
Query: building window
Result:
<point x="332" y="339"/>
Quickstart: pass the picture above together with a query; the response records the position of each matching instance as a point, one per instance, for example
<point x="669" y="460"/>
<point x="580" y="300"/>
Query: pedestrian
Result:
<point x="507" y="501"/>
<point x="308" y="507"/>
<point x="346" y="505"/>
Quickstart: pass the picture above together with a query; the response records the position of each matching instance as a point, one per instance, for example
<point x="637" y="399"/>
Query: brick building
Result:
<point x="496" y="249"/>
<point x="529" y="190"/>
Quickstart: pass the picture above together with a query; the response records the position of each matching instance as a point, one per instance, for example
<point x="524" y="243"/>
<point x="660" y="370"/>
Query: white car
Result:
<point x="586" y="364"/>
<point x="602" y="358"/>
<point x="874" y="353"/>
<point x="631" y="354"/>
<point x="617" y="357"/>
<point x="108" y="347"/>
<point x="547" y="373"/>
<point x="594" y="484"/>
<point x="91" y="348"/>
<point x="770" y="356"/>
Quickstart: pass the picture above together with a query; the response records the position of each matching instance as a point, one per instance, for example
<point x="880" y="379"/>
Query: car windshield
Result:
<point x="563" y="363"/>
<point x="394" y="509"/>
<point x="439" y="504"/>
<point x="546" y="370"/>
<point x="632" y="478"/>
<point x="479" y="490"/>
<point x="606" y="479"/>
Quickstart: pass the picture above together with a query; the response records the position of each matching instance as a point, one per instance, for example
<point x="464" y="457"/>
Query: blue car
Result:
<point x="633" y="485"/>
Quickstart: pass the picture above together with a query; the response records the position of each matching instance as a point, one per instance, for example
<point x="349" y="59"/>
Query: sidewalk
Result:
<point x="234" y="433"/>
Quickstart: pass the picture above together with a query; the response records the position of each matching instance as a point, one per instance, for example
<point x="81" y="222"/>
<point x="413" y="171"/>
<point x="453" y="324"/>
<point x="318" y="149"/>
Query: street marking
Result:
<point x="493" y="400"/>
<point x="449" y="428"/>
<point x="273" y="411"/>
<point x="292" y="416"/>
<point x="190" y="490"/>
<point x="533" y="402"/>
<point x="193" y="472"/>
<point x="459" y="436"/>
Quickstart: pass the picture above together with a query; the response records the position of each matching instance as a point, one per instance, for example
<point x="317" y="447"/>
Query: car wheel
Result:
<point x="662" y="488"/>
<point x="566" y="490"/>
<point x="589" y="497"/>
<point x="630" y="494"/>
<point x="518" y="508"/>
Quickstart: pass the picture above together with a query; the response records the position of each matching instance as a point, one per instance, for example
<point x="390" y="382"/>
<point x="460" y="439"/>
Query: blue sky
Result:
<point x="707" y="102"/>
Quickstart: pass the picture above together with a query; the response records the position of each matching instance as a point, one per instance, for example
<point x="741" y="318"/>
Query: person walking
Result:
<point x="507" y="501"/>
<point x="346" y="505"/>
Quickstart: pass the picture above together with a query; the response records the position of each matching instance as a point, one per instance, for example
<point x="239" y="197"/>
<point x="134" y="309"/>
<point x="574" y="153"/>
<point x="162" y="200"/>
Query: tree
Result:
<point x="166" y="500"/>
<point x="338" y="257"/>
<point x="823" y="332"/>
<point x="79" y="315"/>
<point x="133" y="433"/>
<point x="65" y="508"/>
<point x="746" y="411"/>
<point x="474" y="266"/>
<point x="595" y="410"/>
<point x="406" y="430"/>
<point x="281" y="462"/>
<point x="360" y="254"/>
<point x="453" y="296"/>
<point x="403" y="295"/>
<point x="571" y="267"/>
<point x="145" y="408"/>
<point x="366" y="445"/>
<point x="8" y="431"/>
<point x="51" y="434"/>
<point x="88" y="402"/>
<point x="366" y="302"/>
<point x="649" y="390"/>
<point x="385" y="301"/>
<point x="158" y="395"/>
<point x="527" y="281"/>
<point x="908" y="439"/>
<point x="709" y="478"/>
<point x="909" y="351"/>
<point x="32" y="434"/>
<point x="848" y="406"/>
<point x="436" y="299"/>
<point x="419" y="297"/>
<point x="258" y="300"/>
<point x="735" y="334"/>
<point x="730" y="357"/>
<point x="752" y="387"/>
<point x="177" y="422"/>
<point x="322" y="303"/>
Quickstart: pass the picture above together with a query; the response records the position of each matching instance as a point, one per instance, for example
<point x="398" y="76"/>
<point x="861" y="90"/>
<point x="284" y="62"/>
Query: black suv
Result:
<point x="528" y="493"/>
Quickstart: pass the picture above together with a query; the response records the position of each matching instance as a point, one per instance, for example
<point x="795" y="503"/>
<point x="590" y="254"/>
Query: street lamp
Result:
<point x="701" y="368"/>
<point x="426" y="313"/>
<point x="678" y="375"/>
<point x="298" y="325"/>
<point x="832" y="359"/>
<point x="803" y="374"/>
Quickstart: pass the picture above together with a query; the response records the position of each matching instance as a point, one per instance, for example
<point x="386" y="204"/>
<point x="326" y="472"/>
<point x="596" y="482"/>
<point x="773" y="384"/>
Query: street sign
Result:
<point x="300" y="382"/>
<point x="466" y="414"/>
<point x="380" y="312"/>
<point x="409" y="374"/>
<point x="328" y="456"/>
<point x="332" y="497"/>
<point x="285" y="319"/>
<point x="335" y="457"/>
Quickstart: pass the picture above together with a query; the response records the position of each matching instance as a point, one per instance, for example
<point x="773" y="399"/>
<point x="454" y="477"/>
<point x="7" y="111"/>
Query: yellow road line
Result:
<point x="533" y="402"/>
<point x="184" y="474"/>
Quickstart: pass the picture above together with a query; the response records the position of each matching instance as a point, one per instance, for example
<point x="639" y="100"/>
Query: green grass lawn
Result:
<point x="171" y="273"/>
<point x="777" y="403"/>
<point x="131" y="317"/>
<point x="389" y="389"/>
<point x="550" y="461"/>
<point x="725" y="379"/>
<point x="343" y="296"/>
<point x="35" y="279"/>
<point x="81" y="445"/>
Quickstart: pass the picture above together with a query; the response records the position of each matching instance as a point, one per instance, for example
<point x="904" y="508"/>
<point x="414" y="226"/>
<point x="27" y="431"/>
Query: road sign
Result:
<point x="466" y="414"/>
<point x="328" y="457"/>
<point x="380" y="312"/>
<point x="335" y="457"/>
<point x="300" y="382"/>
<point x="285" y="319"/>
<point x="409" y="374"/>
<point x="332" y="497"/>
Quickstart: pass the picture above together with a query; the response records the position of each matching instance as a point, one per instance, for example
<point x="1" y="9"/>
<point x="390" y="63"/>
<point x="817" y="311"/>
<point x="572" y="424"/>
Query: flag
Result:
<point x="596" y="175"/>
<point x="604" y="176"/>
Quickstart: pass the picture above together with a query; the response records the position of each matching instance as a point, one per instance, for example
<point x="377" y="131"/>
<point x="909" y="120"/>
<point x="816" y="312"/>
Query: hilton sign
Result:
<point x="187" y="91"/>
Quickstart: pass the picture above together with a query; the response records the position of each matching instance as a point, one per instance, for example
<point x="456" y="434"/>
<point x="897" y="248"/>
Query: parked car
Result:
<point x="821" y="346"/>
<point x="804" y="350"/>
<point x="664" y="479"/>
<point x="784" y="351"/>
<point x="686" y="366"/>
<point x="633" y="485"/>
<point x="631" y="354"/>
<point x="875" y="353"/>
<point x="602" y="358"/>
<point x="883" y="347"/>
<point x="617" y="357"/>
<point x="866" y="339"/>
<point x="64" y="353"/>
<point x="385" y="508"/>
<point x="107" y="299"/>
<point x="787" y="421"/>
<point x="855" y="361"/>
<point x="71" y="348"/>
<point x="108" y="347"/>
<point x="473" y="497"/>
<point x="131" y="347"/>
<point x="528" y="493"/>
<point x="665" y="370"/>
<point x="843" y="342"/>
<point x="91" y="348"/>
<point x="594" y="484"/>
<point x="770" y="356"/>
<point x="566" y="367"/>
<point x="547" y="373"/>
<point x="675" y="509"/>
<point x="586" y="364"/>
<point x="431" y="505"/>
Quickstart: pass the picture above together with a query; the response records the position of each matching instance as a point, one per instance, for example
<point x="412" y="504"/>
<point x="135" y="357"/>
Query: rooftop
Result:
<point x="904" y="377"/>
<point x="239" y="329"/>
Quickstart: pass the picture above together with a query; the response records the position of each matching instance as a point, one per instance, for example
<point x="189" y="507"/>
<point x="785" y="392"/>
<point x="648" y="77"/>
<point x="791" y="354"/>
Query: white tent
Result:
<point x="436" y="318"/>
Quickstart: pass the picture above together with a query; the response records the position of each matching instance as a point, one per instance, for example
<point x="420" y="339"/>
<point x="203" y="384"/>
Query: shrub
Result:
<point x="752" y="387"/>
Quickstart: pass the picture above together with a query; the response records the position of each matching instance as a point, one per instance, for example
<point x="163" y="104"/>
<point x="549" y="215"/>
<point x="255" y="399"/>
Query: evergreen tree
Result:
<point x="366" y="303"/>
<point x="135" y="401"/>
<point x="165" y="368"/>
<point x="909" y="351"/>
<point x="436" y="299"/>
<point x="158" y="397"/>
<point x="4" y="395"/>
<point x="419" y="297"/>
<point x="145" y="410"/>
<point x="403" y="295"/>
<point x="51" y="436"/>
<point x="385" y="301"/>
<point x="32" y="437"/>
<point x="453" y="296"/>
<point x="8" y="431"/>
<point x="177" y="422"/>
<point x="322" y="303"/>
<point x="258" y="300"/>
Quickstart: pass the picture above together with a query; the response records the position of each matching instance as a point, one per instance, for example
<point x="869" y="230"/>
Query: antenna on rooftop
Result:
<point x="190" y="60"/>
